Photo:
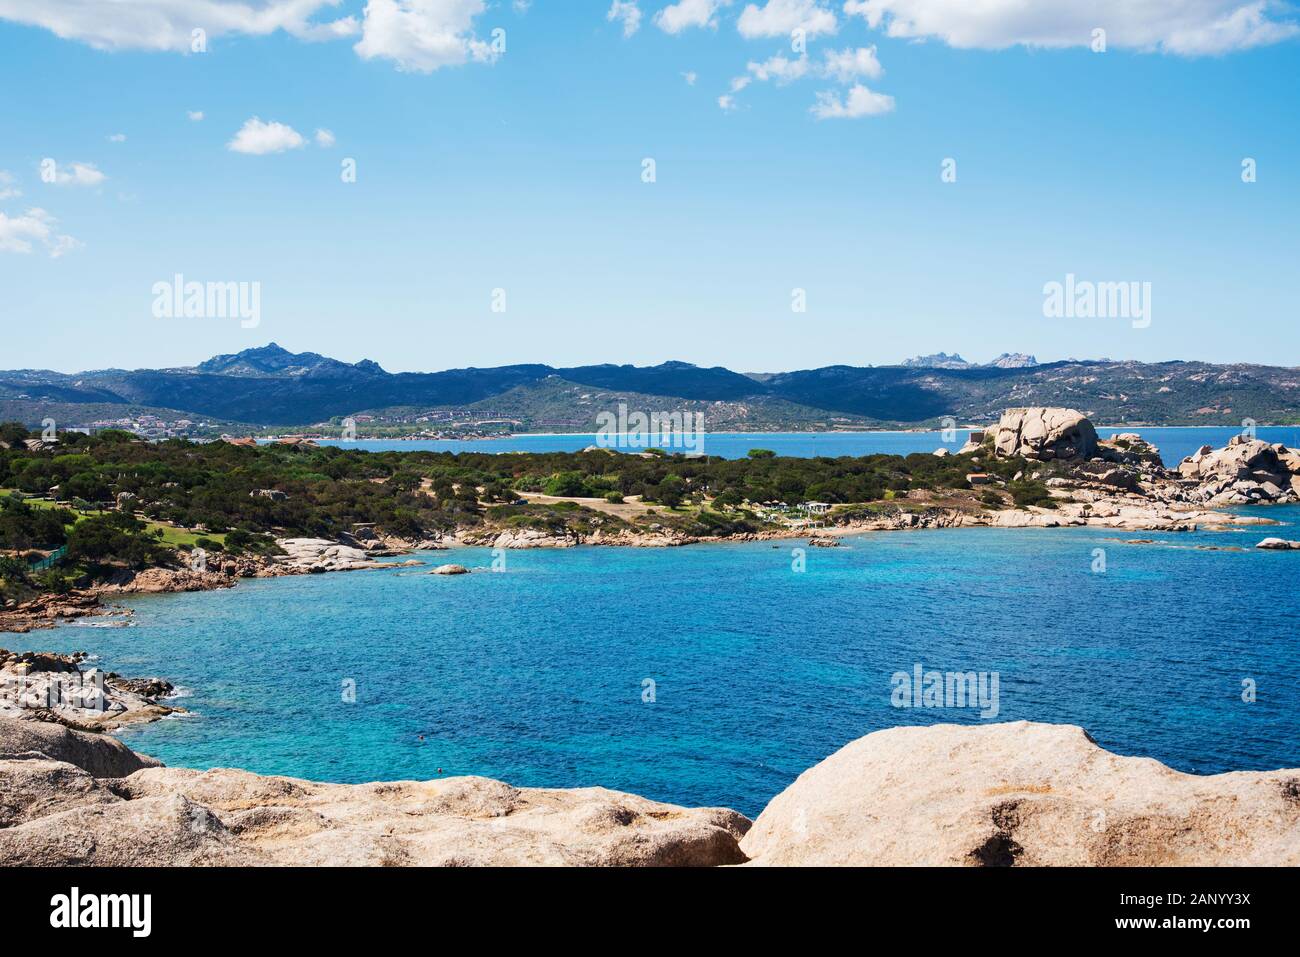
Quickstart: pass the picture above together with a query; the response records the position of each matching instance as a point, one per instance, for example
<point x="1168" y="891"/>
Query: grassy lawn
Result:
<point x="184" y="536"/>
<point x="172" y="535"/>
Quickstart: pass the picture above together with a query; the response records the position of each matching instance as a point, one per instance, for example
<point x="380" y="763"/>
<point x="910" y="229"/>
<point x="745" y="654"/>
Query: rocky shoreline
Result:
<point x="1118" y="483"/>
<point x="56" y="688"/>
<point x="1013" y="794"/>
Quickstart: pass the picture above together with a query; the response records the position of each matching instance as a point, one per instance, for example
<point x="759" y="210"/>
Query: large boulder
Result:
<point x="1241" y="458"/>
<point x="96" y="754"/>
<point x="1129" y="448"/>
<point x="1246" y="470"/>
<point x="57" y="809"/>
<point x="1023" y="794"/>
<point x="1045" y="433"/>
<point x="321" y="555"/>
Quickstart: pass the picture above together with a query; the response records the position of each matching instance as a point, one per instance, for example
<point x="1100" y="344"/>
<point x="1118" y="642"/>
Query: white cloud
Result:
<point x="423" y="35"/>
<point x="727" y="102"/>
<point x="169" y="24"/>
<point x="117" y="138"/>
<point x="690" y="77"/>
<point x="324" y="138"/>
<point x="779" y="68"/>
<point x="522" y="6"/>
<point x="628" y="12"/>
<point x="859" y="102"/>
<point x="257" y="138"/>
<point x="781" y="17"/>
<point x="7" y="188"/>
<point x="195" y="115"/>
<point x="74" y="174"/>
<point x="1188" y="27"/>
<point x="18" y="233"/>
<point x="677" y="17"/>
<point x="846" y="65"/>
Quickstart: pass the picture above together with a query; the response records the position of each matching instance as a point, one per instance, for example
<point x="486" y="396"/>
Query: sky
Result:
<point x="833" y="182"/>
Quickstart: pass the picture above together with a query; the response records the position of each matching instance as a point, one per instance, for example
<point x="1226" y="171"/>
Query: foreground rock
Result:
<point x="1004" y="794"/>
<point x="1024" y="794"/>
<point x="56" y="688"/>
<point x="60" y="809"/>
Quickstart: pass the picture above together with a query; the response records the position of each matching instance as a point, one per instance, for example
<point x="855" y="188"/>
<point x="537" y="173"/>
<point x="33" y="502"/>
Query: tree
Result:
<point x="566" y="483"/>
<point x="114" y="538"/>
<point x="12" y="433"/>
<point x="671" y="491"/>
<point x="85" y="485"/>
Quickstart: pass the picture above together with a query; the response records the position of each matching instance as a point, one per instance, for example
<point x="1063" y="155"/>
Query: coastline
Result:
<point x="1065" y="476"/>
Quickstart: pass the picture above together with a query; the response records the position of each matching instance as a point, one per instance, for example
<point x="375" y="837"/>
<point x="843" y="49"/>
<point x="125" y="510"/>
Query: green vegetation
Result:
<point x="119" y="502"/>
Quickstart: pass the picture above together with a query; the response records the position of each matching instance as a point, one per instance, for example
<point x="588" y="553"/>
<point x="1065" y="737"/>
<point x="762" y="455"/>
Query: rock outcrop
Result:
<point x="535" y="538"/>
<point x="1245" y="471"/>
<point x="99" y="755"/>
<point x="1021" y="794"/>
<point x="58" y="809"/>
<point x="319" y="554"/>
<point x="56" y="688"/>
<point x="1045" y="433"/>
<point x="315" y="555"/>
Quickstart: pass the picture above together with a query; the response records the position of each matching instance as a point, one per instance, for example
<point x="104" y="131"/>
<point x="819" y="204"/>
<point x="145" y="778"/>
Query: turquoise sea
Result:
<point x="536" y="675"/>
<point x="1174" y="443"/>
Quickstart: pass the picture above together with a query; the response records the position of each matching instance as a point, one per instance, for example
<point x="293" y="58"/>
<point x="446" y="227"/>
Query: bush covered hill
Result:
<point x="272" y="386"/>
<point x="116" y="501"/>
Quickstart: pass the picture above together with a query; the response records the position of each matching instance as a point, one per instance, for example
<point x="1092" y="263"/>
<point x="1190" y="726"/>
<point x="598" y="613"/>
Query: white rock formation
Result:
<point x="319" y="554"/>
<point x="1045" y="433"/>
<point x="1025" y="794"/>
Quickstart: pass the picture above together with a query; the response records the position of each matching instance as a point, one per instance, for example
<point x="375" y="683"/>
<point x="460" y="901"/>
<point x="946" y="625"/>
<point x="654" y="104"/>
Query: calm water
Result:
<point x="1174" y="443"/>
<point x="535" y="675"/>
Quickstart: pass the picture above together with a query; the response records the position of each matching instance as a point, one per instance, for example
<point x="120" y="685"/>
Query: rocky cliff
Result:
<point x="1004" y="794"/>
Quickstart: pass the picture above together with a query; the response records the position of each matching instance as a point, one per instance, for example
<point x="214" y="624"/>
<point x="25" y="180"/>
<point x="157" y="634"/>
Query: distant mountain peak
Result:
<point x="273" y="359"/>
<point x="1014" y="360"/>
<point x="939" y="360"/>
<point x="942" y="360"/>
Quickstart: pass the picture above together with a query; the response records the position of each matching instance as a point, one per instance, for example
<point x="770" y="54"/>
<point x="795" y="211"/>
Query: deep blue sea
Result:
<point x="535" y="675"/>
<point x="1174" y="443"/>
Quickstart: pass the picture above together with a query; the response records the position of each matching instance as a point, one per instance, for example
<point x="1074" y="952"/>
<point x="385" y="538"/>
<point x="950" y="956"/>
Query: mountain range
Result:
<point x="271" y="386"/>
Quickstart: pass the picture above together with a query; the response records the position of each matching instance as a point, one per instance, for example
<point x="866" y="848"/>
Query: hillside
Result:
<point x="270" y="386"/>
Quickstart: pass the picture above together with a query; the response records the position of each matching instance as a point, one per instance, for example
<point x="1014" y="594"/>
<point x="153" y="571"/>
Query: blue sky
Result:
<point x="522" y="170"/>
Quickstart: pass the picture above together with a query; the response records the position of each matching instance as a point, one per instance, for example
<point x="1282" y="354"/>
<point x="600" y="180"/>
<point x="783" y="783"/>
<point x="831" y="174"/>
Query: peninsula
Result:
<point x="86" y="517"/>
